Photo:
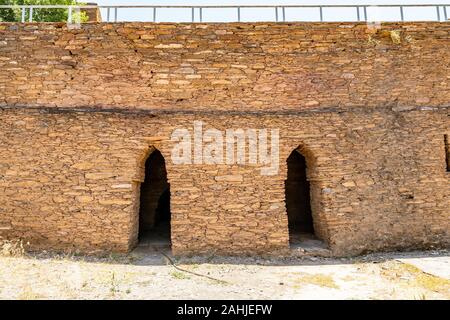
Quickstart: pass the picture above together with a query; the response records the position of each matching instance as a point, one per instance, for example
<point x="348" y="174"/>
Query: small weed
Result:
<point x="113" y="285"/>
<point x="179" y="275"/>
<point x="396" y="36"/>
<point x="194" y="266"/>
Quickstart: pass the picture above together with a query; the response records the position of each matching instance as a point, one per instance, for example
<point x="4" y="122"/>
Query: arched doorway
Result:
<point x="154" y="211"/>
<point x="298" y="202"/>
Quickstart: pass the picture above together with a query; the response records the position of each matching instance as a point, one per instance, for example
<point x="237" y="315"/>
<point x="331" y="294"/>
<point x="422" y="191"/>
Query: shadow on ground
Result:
<point x="157" y="256"/>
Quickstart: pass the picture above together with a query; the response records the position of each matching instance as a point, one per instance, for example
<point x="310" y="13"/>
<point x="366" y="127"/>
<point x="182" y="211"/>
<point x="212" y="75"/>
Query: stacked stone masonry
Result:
<point x="366" y="105"/>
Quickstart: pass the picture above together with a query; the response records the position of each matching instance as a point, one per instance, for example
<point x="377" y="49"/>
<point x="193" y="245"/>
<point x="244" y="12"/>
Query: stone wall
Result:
<point x="81" y="111"/>
<point x="378" y="180"/>
<point x="238" y="66"/>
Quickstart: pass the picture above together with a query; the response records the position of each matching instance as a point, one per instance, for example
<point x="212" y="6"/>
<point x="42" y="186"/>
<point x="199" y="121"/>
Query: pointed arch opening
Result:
<point x="154" y="208"/>
<point x="300" y="205"/>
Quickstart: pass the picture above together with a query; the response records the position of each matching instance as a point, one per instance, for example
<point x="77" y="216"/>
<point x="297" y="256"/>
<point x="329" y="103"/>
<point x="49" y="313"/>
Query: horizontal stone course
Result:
<point x="235" y="66"/>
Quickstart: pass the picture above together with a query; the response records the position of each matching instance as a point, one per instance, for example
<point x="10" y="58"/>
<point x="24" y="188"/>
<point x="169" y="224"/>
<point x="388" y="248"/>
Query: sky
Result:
<point x="253" y="14"/>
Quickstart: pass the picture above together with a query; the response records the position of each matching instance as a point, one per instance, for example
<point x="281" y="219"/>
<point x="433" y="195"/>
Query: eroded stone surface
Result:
<point x="235" y="66"/>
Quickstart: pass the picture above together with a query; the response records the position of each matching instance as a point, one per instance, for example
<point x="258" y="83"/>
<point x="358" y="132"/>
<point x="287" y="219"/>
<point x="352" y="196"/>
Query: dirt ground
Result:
<point x="145" y="274"/>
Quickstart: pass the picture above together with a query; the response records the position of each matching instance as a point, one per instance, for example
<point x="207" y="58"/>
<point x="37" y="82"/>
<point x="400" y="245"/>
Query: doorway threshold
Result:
<point x="306" y="244"/>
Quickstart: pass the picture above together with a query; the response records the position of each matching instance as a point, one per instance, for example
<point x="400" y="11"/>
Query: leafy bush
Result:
<point x="39" y="15"/>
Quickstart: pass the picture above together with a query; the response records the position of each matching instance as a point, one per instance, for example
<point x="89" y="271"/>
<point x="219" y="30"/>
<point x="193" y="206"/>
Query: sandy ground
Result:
<point x="150" y="275"/>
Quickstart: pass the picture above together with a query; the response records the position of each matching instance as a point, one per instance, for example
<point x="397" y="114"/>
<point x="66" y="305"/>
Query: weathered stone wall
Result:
<point x="378" y="180"/>
<point x="252" y="67"/>
<point x="81" y="110"/>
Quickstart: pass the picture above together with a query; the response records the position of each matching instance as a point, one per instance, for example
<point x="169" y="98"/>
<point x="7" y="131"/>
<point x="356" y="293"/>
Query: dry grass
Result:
<point x="427" y="281"/>
<point x="11" y="248"/>
<point x="396" y="36"/>
<point x="319" y="279"/>
<point x="179" y="275"/>
<point x="413" y="276"/>
<point x="63" y="276"/>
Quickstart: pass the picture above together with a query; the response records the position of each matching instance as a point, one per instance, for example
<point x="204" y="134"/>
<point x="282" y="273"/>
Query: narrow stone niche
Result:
<point x="154" y="212"/>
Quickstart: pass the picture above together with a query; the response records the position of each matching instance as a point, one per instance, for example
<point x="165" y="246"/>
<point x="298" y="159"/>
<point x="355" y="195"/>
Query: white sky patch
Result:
<point x="247" y="14"/>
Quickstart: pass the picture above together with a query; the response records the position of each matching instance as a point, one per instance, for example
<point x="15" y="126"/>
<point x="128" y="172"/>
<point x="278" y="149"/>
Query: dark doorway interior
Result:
<point x="298" y="204"/>
<point x="154" y="213"/>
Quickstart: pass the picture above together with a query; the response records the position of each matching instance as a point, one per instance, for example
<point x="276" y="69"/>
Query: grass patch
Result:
<point x="401" y="271"/>
<point x="179" y="275"/>
<point x="426" y="280"/>
<point x="319" y="279"/>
